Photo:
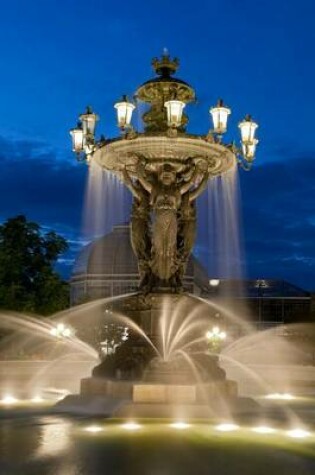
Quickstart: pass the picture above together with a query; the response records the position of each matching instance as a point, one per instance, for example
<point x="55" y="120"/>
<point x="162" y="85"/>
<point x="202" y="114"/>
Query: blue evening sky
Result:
<point x="57" y="57"/>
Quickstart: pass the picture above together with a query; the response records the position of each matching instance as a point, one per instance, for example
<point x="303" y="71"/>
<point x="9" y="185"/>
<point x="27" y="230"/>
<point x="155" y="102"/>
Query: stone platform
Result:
<point x="159" y="393"/>
<point x="127" y="399"/>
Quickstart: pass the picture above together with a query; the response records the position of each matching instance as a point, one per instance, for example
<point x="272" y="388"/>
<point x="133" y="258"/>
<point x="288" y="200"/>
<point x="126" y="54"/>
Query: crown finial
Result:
<point x="165" y="66"/>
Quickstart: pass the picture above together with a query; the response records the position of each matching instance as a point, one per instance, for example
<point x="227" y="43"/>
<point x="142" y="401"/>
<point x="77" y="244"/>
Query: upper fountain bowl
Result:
<point x="157" y="149"/>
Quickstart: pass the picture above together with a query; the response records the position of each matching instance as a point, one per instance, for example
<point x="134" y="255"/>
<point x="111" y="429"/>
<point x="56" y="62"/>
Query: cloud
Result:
<point x="33" y="181"/>
<point x="279" y="219"/>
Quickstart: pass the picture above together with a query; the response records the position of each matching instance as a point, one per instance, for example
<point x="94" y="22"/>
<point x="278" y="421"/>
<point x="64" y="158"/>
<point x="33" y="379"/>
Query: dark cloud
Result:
<point x="34" y="182"/>
<point x="279" y="220"/>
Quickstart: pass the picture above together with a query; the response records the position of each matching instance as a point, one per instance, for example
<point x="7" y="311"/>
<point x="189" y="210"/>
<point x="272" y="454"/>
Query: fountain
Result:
<point x="167" y="360"/>
<point x="166" y="169"/>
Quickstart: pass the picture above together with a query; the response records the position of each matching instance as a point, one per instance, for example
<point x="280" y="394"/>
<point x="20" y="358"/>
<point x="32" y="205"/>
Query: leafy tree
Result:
<point x="28" y="281"/>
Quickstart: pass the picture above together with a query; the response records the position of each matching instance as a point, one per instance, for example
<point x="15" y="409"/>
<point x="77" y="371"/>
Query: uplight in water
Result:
<point x="281" y="396"/>
<point x="298" y="433"/>
<point x="263" y="430"/>
<point x="37" y="399"/>
<point x="131" y="426"/>
<point x="227" y="427"/>
<point x="93" y="429"/>
<point x="9" y="399"/>
<point x="180" y="425"/>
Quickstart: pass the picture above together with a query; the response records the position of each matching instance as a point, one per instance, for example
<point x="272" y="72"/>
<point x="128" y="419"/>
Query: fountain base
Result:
<point x="158" y="392"/>
<point x="148" y="385"/>
<point x="127" y="399"/>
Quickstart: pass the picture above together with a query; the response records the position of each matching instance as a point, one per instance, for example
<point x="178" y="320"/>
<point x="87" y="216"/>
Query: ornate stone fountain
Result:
<point x="166" y="169"/>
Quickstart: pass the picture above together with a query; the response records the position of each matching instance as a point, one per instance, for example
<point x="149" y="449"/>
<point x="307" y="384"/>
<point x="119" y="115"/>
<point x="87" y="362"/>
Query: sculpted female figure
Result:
<point x="140" y="227"/>
<point x="165" y="201"/>
<point x="187" y="221"/>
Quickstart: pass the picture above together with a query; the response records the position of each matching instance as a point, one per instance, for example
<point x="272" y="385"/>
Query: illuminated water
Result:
<point x="52" y="445"/>
<point x="103" y="187"/>
<point x="225" y="252"/>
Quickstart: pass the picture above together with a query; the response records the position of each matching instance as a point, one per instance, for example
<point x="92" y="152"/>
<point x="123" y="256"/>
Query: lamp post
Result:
<point x="124" y="110"/>
<point x="220" y="115"/>
<point x="167" y="163"/>
<point x="61" y="331"/>
<point x="215" y="338"/>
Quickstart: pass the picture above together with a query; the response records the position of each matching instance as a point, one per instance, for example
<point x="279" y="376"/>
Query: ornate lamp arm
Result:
<point x="245" y="162"/>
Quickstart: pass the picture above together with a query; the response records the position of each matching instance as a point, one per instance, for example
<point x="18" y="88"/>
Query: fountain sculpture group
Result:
<point x="166" y="169"/>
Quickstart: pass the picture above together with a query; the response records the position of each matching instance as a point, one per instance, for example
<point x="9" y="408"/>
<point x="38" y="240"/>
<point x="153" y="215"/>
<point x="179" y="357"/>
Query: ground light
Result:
<point x="263" y="430"/>
<point x="180" y="425"/>
<point x="298" y="433"/>
<point x="131" y="425"/>
<point x="9" y="399"/>
<point x="93" y="429"/>
<point x="37" y="399"/>
<point x="281" y="396"/>
<point x="227" y="427"/>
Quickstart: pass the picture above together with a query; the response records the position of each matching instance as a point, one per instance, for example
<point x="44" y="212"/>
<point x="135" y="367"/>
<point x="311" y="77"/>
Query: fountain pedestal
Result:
<point x="141" y="399"/>
<point x="141" y="381"/>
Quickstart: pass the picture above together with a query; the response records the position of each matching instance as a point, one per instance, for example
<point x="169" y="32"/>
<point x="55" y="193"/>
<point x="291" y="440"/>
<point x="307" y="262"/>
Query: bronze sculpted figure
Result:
<point x="187" y="223"/>
<point x="163" y="222"/>
<point x="140" y="227"/>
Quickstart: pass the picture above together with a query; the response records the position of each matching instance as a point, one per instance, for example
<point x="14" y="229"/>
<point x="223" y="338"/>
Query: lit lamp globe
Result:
<point x="220" y="115"/>
<point x="124" y="110"/>
<point x="214" y="282"/>
<point x="77" y="138"/>
<point x="88" y="120"/>
<point x="249" y="150"/>
<point x="248" y="129"/>
<point x="215" y="335"/>
<point x="174" y="111"/>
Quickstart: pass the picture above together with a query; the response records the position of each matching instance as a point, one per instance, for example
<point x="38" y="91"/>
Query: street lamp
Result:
<point x="124" y="112"/>
<point x="61" y="331"/>
<point x="249" y="142"/>
<point x="248" y="128"/>
<point x="83" y="140"/>
<point x="174" y="111"/>
<point x="214" y="282"/>
<point x="88" y="120"/>
<point x="77" y="138"/>
<point x="220" y="115"/>
<point x="215" y="338"/>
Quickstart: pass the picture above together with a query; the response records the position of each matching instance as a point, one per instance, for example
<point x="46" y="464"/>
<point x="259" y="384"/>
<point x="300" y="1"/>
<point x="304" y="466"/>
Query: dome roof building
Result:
<point x="107" y="267"/>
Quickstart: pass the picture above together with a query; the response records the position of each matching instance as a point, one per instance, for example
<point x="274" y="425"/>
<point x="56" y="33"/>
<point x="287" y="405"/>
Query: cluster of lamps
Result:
<point x="215" y="335"/>
<point x="83" y="136"/>
<point x="61" y="331"/>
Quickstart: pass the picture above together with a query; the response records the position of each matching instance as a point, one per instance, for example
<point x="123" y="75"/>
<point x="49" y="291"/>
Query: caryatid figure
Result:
<point x="166" y="196"/>
<point x="140" y="227"/>
<point x="187" y="220"/>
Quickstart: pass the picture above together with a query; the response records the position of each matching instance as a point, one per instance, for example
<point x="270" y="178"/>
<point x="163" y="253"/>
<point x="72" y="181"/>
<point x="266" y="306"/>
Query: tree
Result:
<point x="28" y="281"/>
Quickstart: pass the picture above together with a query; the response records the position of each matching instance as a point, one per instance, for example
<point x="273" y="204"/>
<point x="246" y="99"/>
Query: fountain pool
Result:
<point x="50" y="444"/>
